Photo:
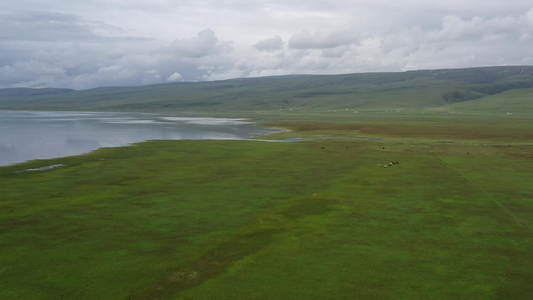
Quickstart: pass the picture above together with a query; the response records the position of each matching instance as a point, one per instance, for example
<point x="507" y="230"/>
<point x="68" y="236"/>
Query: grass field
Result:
<point x="315" y="219"/>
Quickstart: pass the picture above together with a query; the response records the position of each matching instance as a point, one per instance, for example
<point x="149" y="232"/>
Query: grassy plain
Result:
<point x="315" y="219"/>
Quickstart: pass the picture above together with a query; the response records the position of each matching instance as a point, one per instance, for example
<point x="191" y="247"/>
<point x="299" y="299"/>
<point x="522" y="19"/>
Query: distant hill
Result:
<point x="484" y="90"/>
<point x="27" y="92"/>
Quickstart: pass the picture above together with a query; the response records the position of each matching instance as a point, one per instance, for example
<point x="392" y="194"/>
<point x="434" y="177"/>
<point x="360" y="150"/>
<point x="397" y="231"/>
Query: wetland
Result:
<point x="27" y="135"/>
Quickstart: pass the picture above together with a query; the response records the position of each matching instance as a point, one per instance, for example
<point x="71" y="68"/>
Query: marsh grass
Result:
<point x="255" y="220"/>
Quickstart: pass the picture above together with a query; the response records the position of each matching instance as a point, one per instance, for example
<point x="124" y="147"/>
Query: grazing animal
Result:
<point x="384" y="166"/>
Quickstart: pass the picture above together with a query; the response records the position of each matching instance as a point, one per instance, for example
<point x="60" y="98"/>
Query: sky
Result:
<point x="93" y="43"/>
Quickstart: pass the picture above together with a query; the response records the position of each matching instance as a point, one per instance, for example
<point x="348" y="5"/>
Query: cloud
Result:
<point x="52" y="26"/>
<point x="320" y="40"/>
<point x="271" y="44"/>
<point x="101" y="42"/>
<point x="455" y="28"/>
<point x="204" y="44"/>
<point x="174" y="77"/>
<point x="61" y="50"/>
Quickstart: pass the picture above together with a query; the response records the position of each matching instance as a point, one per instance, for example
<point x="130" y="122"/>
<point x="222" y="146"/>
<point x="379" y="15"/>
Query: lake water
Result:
<point x="27" y="135"/>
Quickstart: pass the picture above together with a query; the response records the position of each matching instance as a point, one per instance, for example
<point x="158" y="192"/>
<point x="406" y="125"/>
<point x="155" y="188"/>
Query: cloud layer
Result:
<point x="117" y="42"/>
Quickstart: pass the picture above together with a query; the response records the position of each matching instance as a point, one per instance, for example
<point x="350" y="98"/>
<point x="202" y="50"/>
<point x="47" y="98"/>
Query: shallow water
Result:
<point x="27" y="135"/>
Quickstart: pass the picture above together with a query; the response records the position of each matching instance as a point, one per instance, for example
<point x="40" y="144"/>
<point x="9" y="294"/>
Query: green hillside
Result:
<point x="517" y="101"/>
<point x="412" y="90"/>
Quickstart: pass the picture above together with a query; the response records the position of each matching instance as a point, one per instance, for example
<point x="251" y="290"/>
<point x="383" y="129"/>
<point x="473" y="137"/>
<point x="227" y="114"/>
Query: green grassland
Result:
<point x="314" y="219"/>
<point x="320" y="218"/>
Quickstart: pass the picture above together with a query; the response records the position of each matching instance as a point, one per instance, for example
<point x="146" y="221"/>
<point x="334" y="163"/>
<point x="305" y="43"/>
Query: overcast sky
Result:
<point x="91" y="43"/>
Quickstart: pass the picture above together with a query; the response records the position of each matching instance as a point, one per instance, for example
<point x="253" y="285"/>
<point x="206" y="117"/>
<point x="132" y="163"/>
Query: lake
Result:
<point x="28" y="135"/>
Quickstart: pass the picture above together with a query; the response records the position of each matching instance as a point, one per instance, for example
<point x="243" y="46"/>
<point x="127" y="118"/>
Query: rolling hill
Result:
<point x="478" y="90"/>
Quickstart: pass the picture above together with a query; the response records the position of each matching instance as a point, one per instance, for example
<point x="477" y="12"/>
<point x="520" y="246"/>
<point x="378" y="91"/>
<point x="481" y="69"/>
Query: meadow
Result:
<point x="320" y="218"/>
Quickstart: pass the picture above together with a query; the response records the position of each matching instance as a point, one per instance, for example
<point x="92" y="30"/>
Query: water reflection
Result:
<point x="38" y="135"/>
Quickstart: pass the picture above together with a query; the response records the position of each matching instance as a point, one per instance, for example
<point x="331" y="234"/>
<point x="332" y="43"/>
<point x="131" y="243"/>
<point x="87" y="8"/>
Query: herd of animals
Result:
<point x="379" y="165"/>
<point x="389" y="164"/>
